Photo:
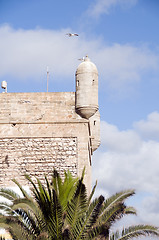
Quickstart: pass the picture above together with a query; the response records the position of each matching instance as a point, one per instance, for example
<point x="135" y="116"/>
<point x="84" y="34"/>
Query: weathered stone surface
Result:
<point x="40" y="131"/>
<point x="36" y="157"/>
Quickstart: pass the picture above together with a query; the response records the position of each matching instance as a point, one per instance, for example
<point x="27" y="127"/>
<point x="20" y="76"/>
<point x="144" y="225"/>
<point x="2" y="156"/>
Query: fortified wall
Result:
<point x="42" y="131"/>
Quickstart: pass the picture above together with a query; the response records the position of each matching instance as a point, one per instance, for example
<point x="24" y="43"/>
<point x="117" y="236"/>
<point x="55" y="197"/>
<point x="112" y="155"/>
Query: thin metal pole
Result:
<point x="47" y="78"/>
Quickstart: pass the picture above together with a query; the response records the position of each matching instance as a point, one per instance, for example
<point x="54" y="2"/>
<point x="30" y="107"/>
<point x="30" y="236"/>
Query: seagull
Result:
<point x="81" y="59"/>
<point x="72" y="34"/>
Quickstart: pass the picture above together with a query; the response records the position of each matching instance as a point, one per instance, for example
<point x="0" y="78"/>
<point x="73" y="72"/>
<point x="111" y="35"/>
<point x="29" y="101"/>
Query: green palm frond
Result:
<point x="54" y="220"/>
<point x="4" y="205"/>
<point x="16" y="227"/>
<point x="43" y="193"/>
<point x="7" y="209"/>
<point x="42" y="197"/>
<point x="49" y="204"/>
<point x="99" y="232"/>
<point x="68" y="186"/>
<point x="112" y="203"/>
<point x="92" y="193"/>
<point x="29" y="221"/>
<point x="89" y="219"/>
<point x="9" y="194"/>
<point x="130" y="210"/>
<point x="25" y="204"/>
<point x="94" y="210"/>
<point x="76" y="208"/>
<point x="83" y="173"/>
<point x="48" y="187"/>
<point x="35" y="189"/>
<point x="25" y="194"/>
<point x="118" y="198"/>
<point x="135" y="231"/>
<point x="56" y="181"/>
<point x="64" y="189"/>
<point x="111" y="215"/>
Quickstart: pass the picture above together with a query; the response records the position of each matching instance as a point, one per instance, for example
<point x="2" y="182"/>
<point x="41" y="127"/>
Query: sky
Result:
<point x="121" y="37"/>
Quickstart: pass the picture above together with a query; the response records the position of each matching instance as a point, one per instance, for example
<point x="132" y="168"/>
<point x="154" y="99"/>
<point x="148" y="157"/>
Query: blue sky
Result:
<point x="121" y="38"/>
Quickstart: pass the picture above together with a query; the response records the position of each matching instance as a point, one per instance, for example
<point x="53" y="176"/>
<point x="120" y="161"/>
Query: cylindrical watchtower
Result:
<point x="86" y="89"/>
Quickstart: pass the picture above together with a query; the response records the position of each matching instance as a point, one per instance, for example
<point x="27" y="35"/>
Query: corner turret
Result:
<point x="95" y="130"/>
<point x="86" y="89"/>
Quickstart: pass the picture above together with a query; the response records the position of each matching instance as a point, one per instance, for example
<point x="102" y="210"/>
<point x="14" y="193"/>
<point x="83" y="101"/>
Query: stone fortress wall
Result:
<point x="42" y="131"/>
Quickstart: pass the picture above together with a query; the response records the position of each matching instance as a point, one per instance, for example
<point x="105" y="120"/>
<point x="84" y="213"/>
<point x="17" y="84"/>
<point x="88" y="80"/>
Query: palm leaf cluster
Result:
<point x="61" y="210"/>
<point x="134" y="232"/>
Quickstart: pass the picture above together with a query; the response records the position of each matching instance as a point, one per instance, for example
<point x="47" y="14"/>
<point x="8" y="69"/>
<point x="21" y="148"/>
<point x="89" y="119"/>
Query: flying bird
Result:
<point x="81" y="59"/>
<point x="72" y="34"/>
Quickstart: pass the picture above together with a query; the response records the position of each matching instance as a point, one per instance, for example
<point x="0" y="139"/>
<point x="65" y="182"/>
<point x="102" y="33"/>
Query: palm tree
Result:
<point x="61" y="210"/>
<point x="22" y="217"/>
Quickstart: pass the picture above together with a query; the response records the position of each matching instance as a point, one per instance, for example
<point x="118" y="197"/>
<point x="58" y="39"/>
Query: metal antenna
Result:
<point x="47" y="78"/>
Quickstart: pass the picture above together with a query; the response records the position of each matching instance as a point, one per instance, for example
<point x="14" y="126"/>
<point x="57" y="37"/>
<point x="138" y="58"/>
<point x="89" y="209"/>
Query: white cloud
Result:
<point x="150" y="208"/>
<point x="150" y="128"/>
<point x="130" y="161"/>
<point x="124" y="65"/>
<point x="104" y="6"/>
<point x="119" y="141"/>
<point x="130" y="169"/>
<point x="26" y="53"/>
